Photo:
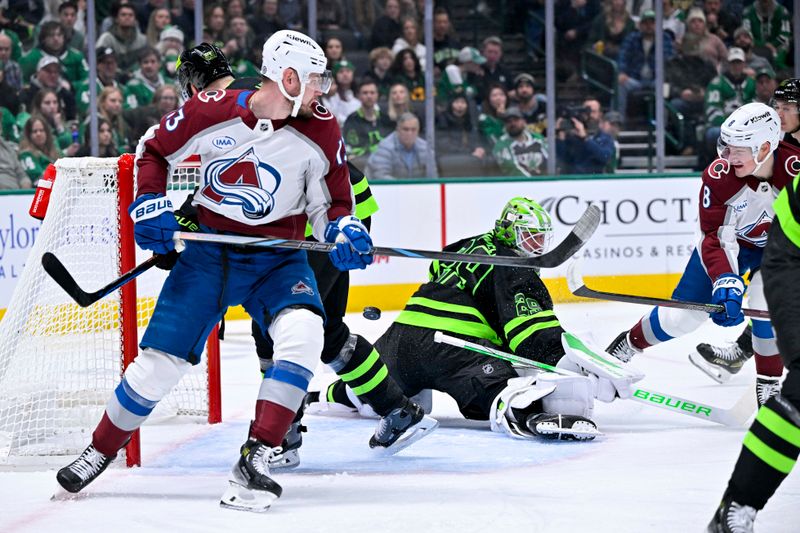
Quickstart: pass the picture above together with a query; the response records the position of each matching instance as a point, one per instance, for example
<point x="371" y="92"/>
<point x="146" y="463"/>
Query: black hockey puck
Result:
<point x="371" y="313"/>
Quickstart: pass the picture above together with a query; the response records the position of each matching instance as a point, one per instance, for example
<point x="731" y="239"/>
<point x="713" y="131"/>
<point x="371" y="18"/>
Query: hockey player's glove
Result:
<point x="727" y="292"/>
<point x="154" y="223"/>
<point x="353" y="243"/>
<point x="186" y="217"/>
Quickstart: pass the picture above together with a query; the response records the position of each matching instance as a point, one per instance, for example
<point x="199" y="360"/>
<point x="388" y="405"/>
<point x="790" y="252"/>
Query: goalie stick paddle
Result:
<point x="56" y="269"/>
<point x="573" y="242"/>
<point x="579" y="288"/>
<point x="736" y="416"/>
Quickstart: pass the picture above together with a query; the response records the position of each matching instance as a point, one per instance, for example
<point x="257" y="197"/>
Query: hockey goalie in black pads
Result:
<point x="205" y="67"/>
<point x="502" y="307"/>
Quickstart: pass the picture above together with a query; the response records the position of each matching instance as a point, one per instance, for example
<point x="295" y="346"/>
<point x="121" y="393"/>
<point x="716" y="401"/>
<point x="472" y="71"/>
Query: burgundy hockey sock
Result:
<point x="108" y="438"/>
<point x="271" y="423"/>
<point x="636" y="336"/>
<point x="769" y="365"/>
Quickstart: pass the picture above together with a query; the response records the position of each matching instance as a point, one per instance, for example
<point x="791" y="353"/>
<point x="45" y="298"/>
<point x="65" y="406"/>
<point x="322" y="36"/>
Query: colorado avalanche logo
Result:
<point x="756" y="233"/>
<point x="792" y="165"/>
<point x="245" y="181"/>
<point x="718" y="168"/>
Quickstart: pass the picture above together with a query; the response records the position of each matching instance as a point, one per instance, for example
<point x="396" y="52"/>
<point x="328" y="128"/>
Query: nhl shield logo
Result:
<point x="487" y="368"/>
<point x="302" y="288"/>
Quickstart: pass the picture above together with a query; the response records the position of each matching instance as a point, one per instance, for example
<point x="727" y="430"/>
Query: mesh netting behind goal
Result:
<point x="60" y="362"/>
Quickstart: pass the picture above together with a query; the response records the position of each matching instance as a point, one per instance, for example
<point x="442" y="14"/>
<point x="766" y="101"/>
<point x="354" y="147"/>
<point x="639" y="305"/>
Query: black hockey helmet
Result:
<point x="199" y="66"/>
<point x="788" y="91"/>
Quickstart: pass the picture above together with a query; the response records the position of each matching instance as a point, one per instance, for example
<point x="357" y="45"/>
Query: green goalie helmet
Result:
<point x="525" y="226"/>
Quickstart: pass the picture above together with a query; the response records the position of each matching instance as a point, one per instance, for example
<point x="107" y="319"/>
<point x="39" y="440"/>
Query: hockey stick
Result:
<point x="736" y="416"/>
<point x="579" y="288"/>
<point x="573" y="242"/>
<point x="56" y="269"/>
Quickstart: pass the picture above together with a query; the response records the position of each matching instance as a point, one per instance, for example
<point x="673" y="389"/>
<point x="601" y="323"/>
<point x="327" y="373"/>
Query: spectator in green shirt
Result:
<point x="490" y="121"/>
<point x="146" y="79"/>
<point x="771" y="26"/>
<point x="37" y="148"/>
<point x="52" y="42"/>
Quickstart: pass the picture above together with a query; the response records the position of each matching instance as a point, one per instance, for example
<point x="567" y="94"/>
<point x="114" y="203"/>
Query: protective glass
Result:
<point x="734" y="154"/>
<point x="533" y="242"/>
<point x="321" y="82"/>
<point x="782" y="106"/>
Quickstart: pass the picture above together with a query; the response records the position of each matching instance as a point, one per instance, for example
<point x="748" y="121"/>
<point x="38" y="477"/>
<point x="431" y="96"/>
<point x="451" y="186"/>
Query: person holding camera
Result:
<point x="581" y="152"/>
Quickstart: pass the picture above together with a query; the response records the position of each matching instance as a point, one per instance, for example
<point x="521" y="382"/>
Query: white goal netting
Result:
<point x="60" y="362"/>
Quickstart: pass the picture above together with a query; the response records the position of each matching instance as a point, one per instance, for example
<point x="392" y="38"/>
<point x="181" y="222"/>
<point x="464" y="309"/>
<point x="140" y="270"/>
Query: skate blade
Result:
<point x="285" y="461"/>
<point x="240" y="498"/>
<point x="579" y="431"/>
<point x="714" y="372"/>
<point x="412" y="435"/>
<point x="62" y="495"/>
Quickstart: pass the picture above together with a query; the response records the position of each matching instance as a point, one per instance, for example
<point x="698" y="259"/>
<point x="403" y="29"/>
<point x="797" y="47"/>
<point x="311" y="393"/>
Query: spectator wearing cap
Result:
<point x="742" y="38"/>
<point x="771" y="26"/>
<point x="139" y="91"/>
<point x="699" y="42"/>
<point x="610" y="28"/>
<point x="725" y="94"/>
<point x="637" y="59"/>
<point x="410" y="39"/>
<point x="582" y="152"/>
<point x="533" y="106"/>
<point x="68" y="17"/>
<point x="52" y="42"/>
<point x="366" y="126"/>
<point x="12" y="73"/>
<point x="341" y="101"/>
<point x="446" y="46"/>
<point x="493" y="70"/>
<point x="170" y="46"/>
<point x="765" y="85"/>
<point x="107" y="76"/>
<point x="520" y="152"/>
<point x="464" y="78"/>
<point x="124" y="36"/>
<point x="401" y="155"/>
<point x="720" y="22"/>
<point x="407" y="70"/>
<point x="573" y="18"/>
<point x="387" y="26"/>
<point x="380" y="64"/>
<point x="48" y="76"/>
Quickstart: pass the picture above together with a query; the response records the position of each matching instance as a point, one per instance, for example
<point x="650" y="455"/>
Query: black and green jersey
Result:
<point x="509" y="307"/>
<point x="787" y="209"/>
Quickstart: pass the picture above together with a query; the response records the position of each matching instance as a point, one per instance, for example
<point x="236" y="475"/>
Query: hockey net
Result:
<point x="60" y="362"/>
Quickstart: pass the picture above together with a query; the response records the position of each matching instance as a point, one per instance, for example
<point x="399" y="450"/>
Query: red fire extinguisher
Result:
<point x="42" y="195"/>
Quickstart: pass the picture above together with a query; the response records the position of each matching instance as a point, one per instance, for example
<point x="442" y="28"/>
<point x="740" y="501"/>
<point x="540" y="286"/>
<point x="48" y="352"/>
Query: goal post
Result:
<point x="59" y="362"/>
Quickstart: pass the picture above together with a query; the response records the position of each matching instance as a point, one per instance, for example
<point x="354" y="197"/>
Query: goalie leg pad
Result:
<point x="572" y="396"/>
<point x="146" y="381"/>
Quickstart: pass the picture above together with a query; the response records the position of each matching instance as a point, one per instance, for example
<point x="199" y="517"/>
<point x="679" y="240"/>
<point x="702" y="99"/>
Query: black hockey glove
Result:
<point x="186" y="217"/>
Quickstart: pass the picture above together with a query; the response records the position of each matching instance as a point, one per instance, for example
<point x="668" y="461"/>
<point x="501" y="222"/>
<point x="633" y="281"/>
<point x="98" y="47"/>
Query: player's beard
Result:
<point x="305" y="111"/>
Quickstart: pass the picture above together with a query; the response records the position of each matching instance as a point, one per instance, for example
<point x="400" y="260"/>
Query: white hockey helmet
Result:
<point x="292" y="49"/>
<point x="750" y="126"/>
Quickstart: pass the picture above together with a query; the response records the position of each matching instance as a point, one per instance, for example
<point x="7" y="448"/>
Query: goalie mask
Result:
<point x="292" y="49"/>
<point x="199" y="66"/>
<point x="744" y="132"/>
<point x="525" y="226"/>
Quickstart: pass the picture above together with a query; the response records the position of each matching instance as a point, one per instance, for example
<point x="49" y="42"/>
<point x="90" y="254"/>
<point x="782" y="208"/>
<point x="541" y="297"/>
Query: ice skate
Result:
<point x="622" y="349"/>
<point x="732" y="517"/>
<point x="250" y="486"/>
<point x="83" y="470"/>
<point x="720" y="363"/>
<point x="401" y="428"/>
<point x="290" y="454"/>
<point x="562" y="427"/>
<point x="766" y="388"/>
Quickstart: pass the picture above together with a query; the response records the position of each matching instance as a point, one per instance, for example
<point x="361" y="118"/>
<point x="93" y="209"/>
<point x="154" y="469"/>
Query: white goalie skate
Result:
<point x="562" y="427"/>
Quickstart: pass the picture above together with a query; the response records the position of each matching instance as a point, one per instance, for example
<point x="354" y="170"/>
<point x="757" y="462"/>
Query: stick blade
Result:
<point x="56" y="270"/>
<point x="574" y="277"/>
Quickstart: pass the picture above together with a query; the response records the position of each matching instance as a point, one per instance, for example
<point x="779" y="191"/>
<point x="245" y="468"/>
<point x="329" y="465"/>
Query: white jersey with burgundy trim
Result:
<point x="258" y="177"/>
<point x="738" y="212"/>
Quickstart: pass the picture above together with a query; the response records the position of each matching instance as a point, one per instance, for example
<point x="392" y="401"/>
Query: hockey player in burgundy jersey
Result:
<point x="402" y="421"/>
<point x="736" y="212"/>
<point x="272" y="160"/>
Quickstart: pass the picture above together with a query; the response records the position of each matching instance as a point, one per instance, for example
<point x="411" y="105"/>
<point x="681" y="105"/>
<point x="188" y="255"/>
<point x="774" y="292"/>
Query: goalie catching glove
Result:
<point x="154" y="223"/>
<point x="353" y="243"/>
<point x="610" y="378"/>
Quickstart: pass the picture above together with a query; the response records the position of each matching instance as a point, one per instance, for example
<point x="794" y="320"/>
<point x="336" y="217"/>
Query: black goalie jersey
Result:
<point x="510" y="307"/>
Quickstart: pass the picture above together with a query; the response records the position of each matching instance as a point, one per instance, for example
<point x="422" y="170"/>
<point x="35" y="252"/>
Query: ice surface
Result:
<point x="653" y="471"/>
